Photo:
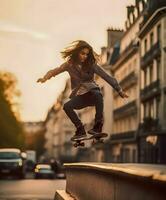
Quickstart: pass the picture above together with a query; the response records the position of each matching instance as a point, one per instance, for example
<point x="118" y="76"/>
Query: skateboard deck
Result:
<point x="98" y="138"/>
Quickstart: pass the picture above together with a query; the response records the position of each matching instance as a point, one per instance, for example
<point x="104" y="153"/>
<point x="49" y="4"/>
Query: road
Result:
<point x="29" y="188"/>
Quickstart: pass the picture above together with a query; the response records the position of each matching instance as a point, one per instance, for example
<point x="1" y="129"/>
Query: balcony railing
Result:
<point x="151" y="90"/>
<point x="150" y="55"/>
<point x="149" y="125"/>
<point x="124" y="135"/>
<point x="125" y="110"/>
<point x="129" y="80"/>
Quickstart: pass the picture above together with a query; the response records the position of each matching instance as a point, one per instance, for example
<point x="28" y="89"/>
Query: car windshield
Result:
<point x="44" y="169"/>
<point x="9" y="155"/>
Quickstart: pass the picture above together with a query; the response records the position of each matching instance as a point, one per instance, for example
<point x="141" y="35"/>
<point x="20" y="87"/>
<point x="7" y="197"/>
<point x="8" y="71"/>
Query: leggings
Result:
<point x="92" y="98"/>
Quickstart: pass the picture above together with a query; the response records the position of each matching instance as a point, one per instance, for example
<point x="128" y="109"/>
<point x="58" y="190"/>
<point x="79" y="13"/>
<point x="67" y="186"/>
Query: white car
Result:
<point x="44" y="171"/>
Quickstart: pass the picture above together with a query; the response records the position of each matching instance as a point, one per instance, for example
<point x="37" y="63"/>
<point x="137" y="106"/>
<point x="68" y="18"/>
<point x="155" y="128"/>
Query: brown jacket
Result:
<point x="82" y="80"/>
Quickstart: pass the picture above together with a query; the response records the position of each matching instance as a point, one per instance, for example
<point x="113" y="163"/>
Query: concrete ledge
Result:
<point x="62" y="195"/>
<point x="103" y="181"/>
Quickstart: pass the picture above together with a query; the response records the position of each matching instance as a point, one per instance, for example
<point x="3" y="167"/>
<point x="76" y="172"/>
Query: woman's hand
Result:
<point x="41" y="80"/>
<point x="46" y="77"/>
<point x="123" y="94"/>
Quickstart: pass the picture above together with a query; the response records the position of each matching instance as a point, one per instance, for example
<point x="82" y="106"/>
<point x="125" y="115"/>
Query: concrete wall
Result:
<point x="103" y="181"/>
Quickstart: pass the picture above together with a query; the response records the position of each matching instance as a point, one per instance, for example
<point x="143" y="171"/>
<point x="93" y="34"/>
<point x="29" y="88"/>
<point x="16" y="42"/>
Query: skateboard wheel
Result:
<point x="82" y="144"/>
<point x="75" y="145"/>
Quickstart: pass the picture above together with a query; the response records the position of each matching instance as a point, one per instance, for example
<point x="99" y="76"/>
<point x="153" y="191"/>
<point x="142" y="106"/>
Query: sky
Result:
<point x="32" y="34"/>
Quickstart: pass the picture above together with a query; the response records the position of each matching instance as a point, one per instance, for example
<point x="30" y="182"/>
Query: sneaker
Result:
<point x="96" y="129"/>
<point x="80" y="133"/>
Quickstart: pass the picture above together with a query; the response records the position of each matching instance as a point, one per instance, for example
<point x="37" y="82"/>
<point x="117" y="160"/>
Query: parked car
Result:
<point x="44" y="171"/>
<point x="12" y="162"/>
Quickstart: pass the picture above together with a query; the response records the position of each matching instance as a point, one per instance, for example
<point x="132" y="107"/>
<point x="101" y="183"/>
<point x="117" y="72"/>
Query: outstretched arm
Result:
<point x="109" y="79"/>
<point x="53" y="72"/>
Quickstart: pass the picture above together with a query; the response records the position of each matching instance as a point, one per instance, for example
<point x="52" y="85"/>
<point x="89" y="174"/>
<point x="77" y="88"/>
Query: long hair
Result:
<point x="71" y="53"/>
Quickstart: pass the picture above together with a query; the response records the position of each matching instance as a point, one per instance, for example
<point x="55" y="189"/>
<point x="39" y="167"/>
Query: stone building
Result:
<point x="152" y="130"/>
<point x="138" y="133"/>
<point x="125" y="66"/>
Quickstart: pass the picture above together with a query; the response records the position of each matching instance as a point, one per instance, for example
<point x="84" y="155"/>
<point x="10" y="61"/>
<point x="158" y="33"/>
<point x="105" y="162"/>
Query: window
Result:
<point x="157" y="107"/>
<point x="159" y="32"/>
<point x="151" y="39"/>
<point x="145" y="110"/>
<point x="136" y="12"/>
<point x="142" y="112"/>
<point x="145" y="77"/>
<point x="131" y="18"/>
<point x="151" y="73"/>
<point x="147" y="107"/>
<point x="140" y="6"/>
<point x="151" y="109"/>
<point x="134" y="160"/>
<point x="145" y="45"/>
<point x="158" y="68"/>
<point x="142" y="79"/>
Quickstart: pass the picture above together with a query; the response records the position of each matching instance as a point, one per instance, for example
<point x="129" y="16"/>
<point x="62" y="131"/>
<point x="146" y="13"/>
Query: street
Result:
<point x="29" y="188"/>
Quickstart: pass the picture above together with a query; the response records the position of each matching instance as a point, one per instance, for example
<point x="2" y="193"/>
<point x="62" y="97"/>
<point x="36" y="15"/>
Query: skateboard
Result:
<point x="98" y="138"/>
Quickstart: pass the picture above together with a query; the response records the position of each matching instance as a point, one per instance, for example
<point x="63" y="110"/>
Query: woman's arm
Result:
<point x="109" y="79"/>
<point x="53" y="72"/>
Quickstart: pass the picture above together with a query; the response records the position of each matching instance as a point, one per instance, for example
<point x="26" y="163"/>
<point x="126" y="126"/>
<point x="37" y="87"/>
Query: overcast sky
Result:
<point x="32" y="34"/>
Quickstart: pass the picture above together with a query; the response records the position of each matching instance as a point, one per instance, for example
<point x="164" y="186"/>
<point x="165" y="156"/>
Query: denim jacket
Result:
<point x="82" y="80"/>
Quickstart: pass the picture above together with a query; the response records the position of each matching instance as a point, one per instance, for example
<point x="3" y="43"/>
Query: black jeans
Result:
<point x="91" y="98"/>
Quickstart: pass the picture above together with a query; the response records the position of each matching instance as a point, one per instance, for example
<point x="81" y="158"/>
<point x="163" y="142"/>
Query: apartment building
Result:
<point x="125" y="66"/>
<point x="152" y="130"/>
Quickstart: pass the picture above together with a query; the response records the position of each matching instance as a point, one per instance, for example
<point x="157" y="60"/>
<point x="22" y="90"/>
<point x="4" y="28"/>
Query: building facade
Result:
<point x="139" y="124"/>
<point x="152" y="130"/>
<point x="125" y="66"/>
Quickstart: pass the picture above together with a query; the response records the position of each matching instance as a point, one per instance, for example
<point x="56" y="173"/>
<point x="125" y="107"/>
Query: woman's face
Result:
<point x="83" y="54"/>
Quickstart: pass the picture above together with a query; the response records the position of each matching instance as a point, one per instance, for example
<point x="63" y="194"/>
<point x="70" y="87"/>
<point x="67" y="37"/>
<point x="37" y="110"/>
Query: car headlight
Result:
<point x="36" y="170"/>
<point x="20" y="163"/>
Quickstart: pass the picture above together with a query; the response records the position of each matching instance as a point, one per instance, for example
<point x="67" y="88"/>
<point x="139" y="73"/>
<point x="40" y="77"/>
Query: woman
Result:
<point x="81" y="65"/>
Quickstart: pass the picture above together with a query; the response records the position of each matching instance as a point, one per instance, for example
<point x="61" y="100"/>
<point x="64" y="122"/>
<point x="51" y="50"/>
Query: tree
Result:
<point x="11" y="132"/>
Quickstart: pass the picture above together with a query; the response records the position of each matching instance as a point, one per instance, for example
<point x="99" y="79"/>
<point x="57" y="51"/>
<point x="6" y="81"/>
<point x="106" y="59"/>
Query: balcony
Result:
<point x="129" y="80"/>
<point x="126" y="110"/>
<point x="150" y="91"/>
<point x="149" y="125"/>
<point x="150" y="55"/>
<point x="125" y="136"/>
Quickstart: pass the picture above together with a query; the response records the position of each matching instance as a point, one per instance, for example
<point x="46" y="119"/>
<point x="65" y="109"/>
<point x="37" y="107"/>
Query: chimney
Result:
<point x="130" y="9"/>
<point x="113" y="35"/>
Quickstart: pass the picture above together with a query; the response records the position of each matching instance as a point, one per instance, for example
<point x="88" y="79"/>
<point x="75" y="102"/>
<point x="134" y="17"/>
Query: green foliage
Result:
<point x="11" y="134"/>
